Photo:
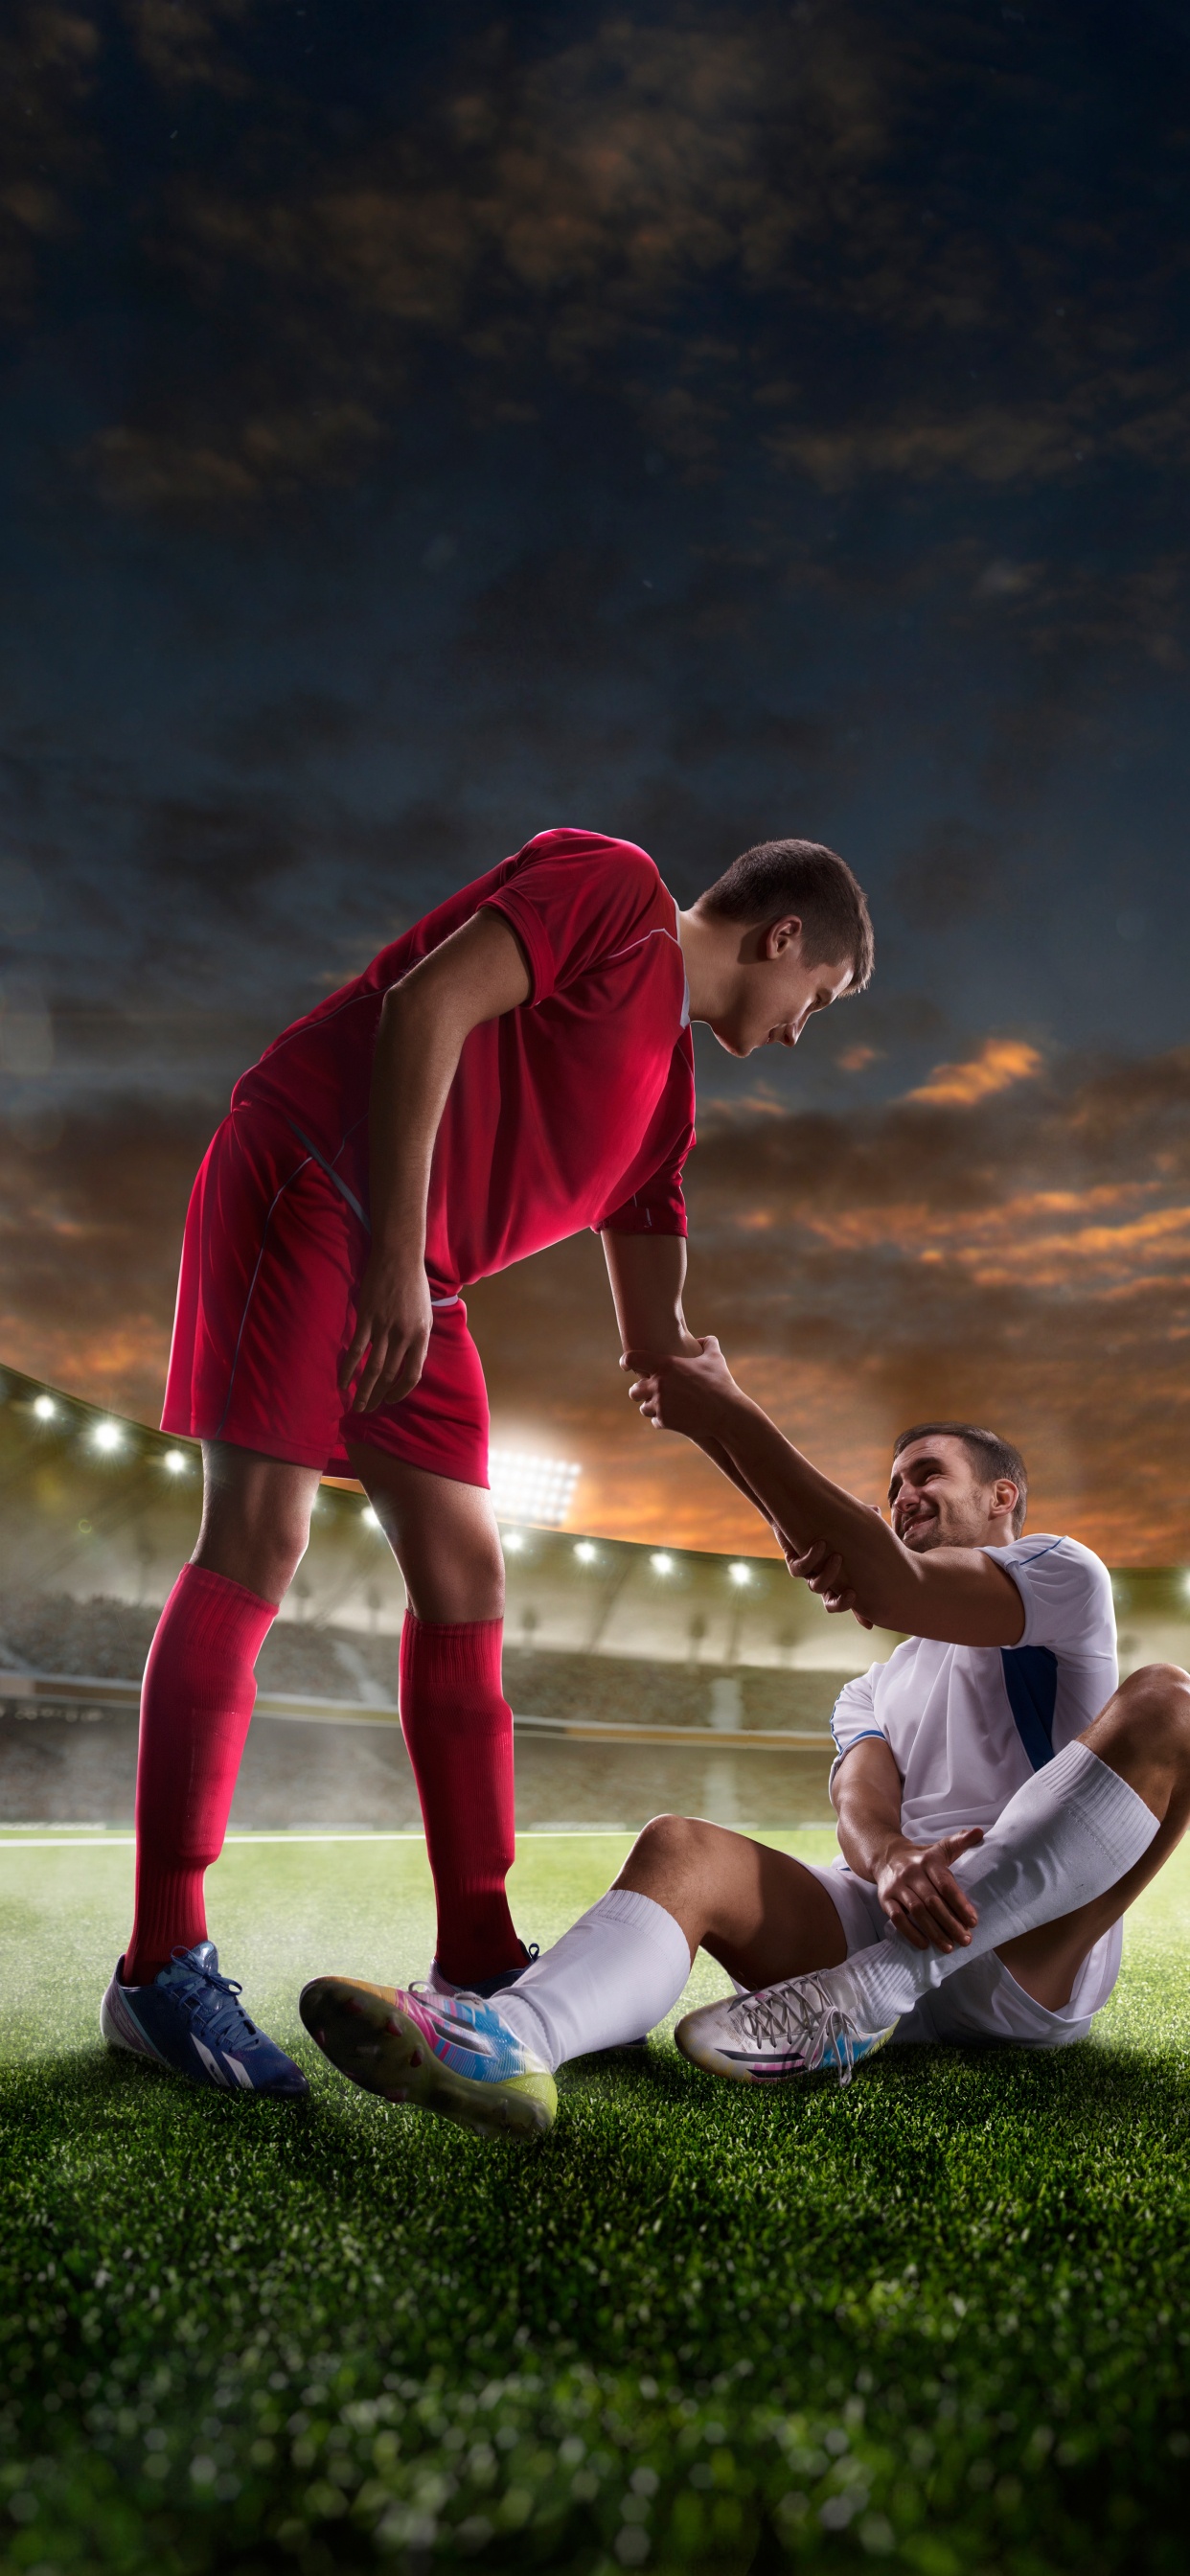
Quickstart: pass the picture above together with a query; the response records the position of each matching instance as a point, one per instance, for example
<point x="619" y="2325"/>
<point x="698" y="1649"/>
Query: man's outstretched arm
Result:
<point x="958" y="1594"/>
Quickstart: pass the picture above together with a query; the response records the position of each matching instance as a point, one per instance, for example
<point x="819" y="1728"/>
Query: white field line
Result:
<point x="127" y="1842"/>
<point x="246" y="1842"/>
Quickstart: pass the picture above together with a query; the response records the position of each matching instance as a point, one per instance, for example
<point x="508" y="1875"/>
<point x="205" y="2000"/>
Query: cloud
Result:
<point x="183" y="43"/>
<point x="999" y="1063"/>
<point x="1024" y="1260"/>
<point x="49" y="57"/>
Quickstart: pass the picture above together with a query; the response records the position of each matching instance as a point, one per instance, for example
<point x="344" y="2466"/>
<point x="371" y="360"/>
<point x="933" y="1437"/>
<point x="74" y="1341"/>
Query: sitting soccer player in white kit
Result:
<point x="1001" y="1802"/>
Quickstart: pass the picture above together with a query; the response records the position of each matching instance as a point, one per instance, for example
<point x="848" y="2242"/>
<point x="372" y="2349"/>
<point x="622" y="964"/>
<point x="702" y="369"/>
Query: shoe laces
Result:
<point x="212" y="2001"/>
<point x="801" y="2017"/>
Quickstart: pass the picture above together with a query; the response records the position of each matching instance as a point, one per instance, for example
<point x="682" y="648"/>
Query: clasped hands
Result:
<point x="695" y="1395"/>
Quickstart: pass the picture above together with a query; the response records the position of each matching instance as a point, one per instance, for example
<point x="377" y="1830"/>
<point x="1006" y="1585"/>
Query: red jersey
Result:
<point x="576" y="1109"/>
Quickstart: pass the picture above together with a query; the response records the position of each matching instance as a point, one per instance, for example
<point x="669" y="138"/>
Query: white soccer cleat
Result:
<point x="801" y="2028"/>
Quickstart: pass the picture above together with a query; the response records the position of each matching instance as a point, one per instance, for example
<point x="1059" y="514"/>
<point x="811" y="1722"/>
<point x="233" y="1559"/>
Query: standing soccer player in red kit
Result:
<point x="516" y="1067"/>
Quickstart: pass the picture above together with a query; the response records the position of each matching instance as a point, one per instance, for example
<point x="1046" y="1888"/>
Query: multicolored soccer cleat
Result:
<point x="438" y="1984"/>
<point x="801" y="2028"/>
<point x="446" y="2053"/>
<point x="191" y="2020"/>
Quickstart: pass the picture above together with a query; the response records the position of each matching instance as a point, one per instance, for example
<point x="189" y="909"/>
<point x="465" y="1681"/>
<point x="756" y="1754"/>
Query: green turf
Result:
<point x="939" y="2322"/>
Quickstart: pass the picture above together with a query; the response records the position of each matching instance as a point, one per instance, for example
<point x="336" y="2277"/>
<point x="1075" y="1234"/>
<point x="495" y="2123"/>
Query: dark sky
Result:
<point x="422" y="426"/>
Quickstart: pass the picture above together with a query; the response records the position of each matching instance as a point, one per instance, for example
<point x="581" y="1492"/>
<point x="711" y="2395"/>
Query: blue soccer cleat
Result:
<point x="801" y="2028"/>
<point x="446" y="2053"/>
<point x="191" y="2020"/>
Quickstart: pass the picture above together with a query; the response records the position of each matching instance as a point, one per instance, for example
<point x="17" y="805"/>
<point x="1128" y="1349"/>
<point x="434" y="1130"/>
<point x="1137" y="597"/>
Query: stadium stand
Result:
<point x="642" y="1678"/>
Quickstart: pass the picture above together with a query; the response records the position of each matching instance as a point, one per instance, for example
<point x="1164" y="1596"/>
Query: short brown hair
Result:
<point x="990" y="1456"/>
<point x="807" y="878"/>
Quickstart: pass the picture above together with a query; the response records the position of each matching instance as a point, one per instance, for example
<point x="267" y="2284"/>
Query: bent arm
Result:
<point x="957" y="1594"/>
<point x="476" y="975"/>
<point x="913" y="1880"/>
<point x="866" y="1796"/>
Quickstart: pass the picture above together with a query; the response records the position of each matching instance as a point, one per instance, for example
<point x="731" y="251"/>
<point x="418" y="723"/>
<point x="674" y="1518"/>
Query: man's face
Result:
<point x="778" y="993"/>
<point x="937" y="1499"/>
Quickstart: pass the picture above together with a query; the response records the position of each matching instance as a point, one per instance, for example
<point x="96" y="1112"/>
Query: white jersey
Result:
<point x="968" y="1725"/>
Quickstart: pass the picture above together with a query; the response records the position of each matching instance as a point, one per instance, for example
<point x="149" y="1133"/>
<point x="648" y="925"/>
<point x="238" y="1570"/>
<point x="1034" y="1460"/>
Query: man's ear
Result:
<point x="1004" y="1489"/>
<point x="778" y="939"/>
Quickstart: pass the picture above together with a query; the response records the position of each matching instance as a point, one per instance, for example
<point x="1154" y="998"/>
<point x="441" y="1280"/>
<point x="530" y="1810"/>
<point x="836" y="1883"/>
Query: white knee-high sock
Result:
<point x="613" y="1975"/>
<point x="1067" y="1836"/>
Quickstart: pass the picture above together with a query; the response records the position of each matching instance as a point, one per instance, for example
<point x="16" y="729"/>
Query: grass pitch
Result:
<point x="939" y="2322"/>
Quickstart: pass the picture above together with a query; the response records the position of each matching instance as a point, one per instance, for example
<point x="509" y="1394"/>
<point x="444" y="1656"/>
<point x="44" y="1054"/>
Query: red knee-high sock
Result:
<point x="196" y="1705"/>
<point x="458" y="1728"/>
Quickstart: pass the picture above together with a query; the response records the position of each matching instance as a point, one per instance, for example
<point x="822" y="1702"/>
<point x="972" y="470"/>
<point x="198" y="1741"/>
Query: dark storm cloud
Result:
<point x="556" y="202"/>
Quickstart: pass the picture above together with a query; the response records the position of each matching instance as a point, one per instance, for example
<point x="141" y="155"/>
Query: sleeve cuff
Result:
<point x="521" y="917"/>
<point x="630" y="1220"/>
<point x="1028" y="1603"/>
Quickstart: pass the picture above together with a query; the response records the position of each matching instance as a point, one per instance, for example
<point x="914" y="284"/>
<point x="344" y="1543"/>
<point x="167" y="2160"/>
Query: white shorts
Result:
<point x="980" y="2003"/>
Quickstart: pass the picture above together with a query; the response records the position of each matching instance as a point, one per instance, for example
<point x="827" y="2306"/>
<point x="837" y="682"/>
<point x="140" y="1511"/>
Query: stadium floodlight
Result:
<point x="107" y="1436"/>
<point x="175" y="1462"/>
<point x="586" y="1554"/>
<point x="661" y="1563"/>
<point x="368" y="1517"/>
<point x="739" y="1573"/>
<point x="45" y="1408"/>
<point x="531" y="1489"/>
<point x="513" y="1541"/>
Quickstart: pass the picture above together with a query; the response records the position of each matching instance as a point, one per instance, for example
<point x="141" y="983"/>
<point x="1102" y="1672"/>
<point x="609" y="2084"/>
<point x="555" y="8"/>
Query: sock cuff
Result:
<point x="1108" y="1804"/>
<point x="452" y="1651"/>
<point x="215" y="1610"/>
<point x="641" y="1914"/>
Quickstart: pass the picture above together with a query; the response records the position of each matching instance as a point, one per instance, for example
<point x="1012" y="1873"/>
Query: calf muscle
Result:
<point x="756" y="1911"/>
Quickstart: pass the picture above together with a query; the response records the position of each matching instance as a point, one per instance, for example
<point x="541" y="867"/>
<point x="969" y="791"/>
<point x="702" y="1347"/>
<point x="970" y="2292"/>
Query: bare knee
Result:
<point x="443" y="1535"/>
<point x="256" y="1519"/>
<point x="451" y="1585"/>
<point x="1153" y="1708"/>
<point x="668" y="1847"/>
<point x="668" y="1834"/>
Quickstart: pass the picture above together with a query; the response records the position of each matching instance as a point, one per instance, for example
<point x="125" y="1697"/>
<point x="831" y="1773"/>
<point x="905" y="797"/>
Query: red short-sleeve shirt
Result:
<point x="577" y="1109"/>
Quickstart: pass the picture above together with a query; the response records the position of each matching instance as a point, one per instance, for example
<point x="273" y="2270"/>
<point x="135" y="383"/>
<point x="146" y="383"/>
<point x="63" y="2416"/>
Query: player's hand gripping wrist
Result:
<point x="393" y="1322"/>
<point x="920" y="1897"/>
<point x="694" y="1395"/>
<point x="823" y="1570"/>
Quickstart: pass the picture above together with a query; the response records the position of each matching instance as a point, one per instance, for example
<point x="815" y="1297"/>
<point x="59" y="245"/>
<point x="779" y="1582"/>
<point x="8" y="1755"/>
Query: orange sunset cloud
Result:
<point x="1000" y="1062"/>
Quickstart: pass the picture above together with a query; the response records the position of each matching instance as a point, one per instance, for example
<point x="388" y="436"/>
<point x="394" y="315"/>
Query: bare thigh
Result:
<point x="255" y="1517"/>
<point x="443" y="1535"/>
<point x="757" y="1911"/>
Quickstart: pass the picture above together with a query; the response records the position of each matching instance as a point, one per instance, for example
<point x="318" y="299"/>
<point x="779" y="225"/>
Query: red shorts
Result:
<point x="271" y="1262"/>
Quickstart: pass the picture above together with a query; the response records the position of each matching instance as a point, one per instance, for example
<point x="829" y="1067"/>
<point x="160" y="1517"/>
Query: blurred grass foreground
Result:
<point x="938" y="2322"/>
